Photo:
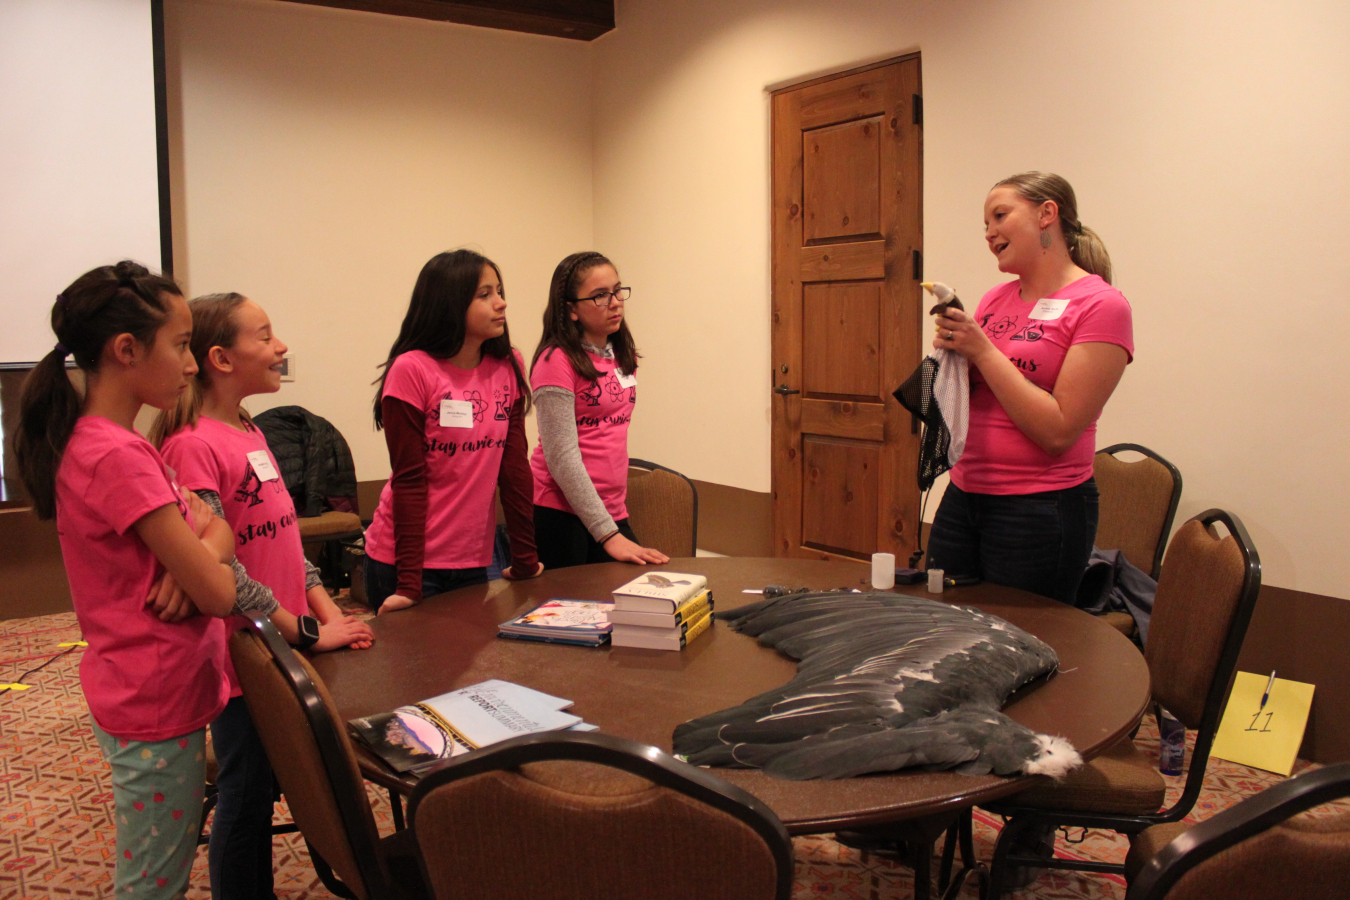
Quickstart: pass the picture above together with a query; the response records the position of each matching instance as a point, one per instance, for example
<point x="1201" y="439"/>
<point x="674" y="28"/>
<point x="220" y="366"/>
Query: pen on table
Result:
<point x="1266" y="696"/>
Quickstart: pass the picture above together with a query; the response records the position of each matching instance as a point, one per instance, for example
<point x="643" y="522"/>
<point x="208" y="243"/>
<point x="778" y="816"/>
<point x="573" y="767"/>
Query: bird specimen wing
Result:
<point x="884" y="681"/>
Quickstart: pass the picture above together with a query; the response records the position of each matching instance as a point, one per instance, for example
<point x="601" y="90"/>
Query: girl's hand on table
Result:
<point x="509" y="574"/>
<point x="624" y="550"/>
<point x="348" y="631"/>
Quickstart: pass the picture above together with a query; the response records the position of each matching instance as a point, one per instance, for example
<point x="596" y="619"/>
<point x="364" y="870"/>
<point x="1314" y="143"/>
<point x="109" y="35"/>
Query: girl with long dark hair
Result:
<point x="452" y="402"/>
<point x="584" y="377"/>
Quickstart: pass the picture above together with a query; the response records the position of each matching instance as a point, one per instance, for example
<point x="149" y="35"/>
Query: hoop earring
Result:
<point x="1045" y="239"/>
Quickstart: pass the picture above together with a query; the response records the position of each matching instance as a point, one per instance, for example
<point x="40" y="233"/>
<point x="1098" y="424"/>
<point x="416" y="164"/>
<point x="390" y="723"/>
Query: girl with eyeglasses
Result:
<point x="584" y="378"/>
<point x="452" y="403"/>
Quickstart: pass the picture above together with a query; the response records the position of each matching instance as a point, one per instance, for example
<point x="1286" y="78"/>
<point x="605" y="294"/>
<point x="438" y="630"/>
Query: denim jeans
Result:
<point x="1036" y="542"/>
<point x="382" y="580"/>
<point x="240" y="853"/>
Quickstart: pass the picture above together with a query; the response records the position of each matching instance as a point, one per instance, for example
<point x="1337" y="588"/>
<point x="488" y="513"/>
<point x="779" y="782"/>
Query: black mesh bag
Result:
<point x="916" y="395"/>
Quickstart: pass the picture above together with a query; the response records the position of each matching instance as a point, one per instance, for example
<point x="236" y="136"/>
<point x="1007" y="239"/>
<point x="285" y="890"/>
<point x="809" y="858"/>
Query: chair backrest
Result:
<point x="1261" y="848"/>
<point x="1138" y="502"/>
<point x="1206" y="594"/>
<point x="567" y="816"/>
<point x="311" y="755"/>
<point x="662" y="508"/>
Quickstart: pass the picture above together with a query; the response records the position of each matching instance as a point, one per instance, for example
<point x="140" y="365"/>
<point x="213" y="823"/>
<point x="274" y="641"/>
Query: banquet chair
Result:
<point x="574" y="816"/>
<point x="1138" y="503"/>
<point x="1206" y="593"/>
<point x="662" y="508"/>
<point x="313" y="760"/>
<point x="1262" y="847"/>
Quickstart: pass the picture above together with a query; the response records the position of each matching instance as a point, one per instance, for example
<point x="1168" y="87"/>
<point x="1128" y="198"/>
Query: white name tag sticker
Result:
<point x="1049" y="308"/>
<point x="262" y="466"/>
<point x="456" y="414"/>
<point x="627" y="380"/>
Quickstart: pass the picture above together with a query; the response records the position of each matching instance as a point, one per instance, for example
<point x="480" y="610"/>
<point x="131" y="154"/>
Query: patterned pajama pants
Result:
<point x="157" y="802"/>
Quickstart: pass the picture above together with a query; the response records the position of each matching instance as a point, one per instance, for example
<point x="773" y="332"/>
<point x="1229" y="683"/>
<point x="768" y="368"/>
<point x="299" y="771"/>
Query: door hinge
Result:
<point x="918" y="266"/>
<point x="918" y="109"/>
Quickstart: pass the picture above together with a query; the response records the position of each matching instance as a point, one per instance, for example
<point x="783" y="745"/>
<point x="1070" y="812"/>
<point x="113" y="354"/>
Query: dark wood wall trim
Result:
<point x="1304" y="637"/>
<point x="582" y="20"/>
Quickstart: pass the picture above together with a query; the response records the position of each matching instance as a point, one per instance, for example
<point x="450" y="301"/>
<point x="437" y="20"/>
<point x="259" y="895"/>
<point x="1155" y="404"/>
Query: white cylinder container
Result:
<point x="883" y="571"/>
<point x="935" y="581"/>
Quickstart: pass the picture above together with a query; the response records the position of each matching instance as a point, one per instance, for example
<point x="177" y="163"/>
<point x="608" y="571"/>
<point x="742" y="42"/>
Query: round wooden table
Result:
<point x="450" y="641"/>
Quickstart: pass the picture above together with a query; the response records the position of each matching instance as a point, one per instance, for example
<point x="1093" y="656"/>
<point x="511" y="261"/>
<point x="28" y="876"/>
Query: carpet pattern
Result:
<point x="57" y="835"/>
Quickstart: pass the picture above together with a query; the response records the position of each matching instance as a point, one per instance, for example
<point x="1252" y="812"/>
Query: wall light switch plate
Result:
<point x="288" y="367"/>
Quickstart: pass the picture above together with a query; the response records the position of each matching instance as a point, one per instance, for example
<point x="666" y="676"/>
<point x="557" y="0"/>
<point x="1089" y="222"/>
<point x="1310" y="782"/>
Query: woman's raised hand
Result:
<point x="624" y="550"/>
<point x="955" y="330"/>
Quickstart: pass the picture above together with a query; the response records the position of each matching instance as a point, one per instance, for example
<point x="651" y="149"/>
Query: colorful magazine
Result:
<point x="583" y="622"/>
<point x="413" y="738"/>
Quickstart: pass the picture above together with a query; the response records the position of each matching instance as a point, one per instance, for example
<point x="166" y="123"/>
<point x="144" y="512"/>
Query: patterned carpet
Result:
<point x="56" y="829"/>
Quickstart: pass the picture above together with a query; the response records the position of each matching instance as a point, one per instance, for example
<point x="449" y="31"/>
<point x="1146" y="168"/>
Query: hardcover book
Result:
<point x="685" y="612"/>
<point x="413" y="738"/>
<point x="582" y="622"/>
<point x="661" y="639"/>
<point x="659" y="592"/>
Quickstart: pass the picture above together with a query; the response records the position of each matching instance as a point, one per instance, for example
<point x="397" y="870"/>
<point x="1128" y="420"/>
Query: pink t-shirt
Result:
<point x="212" y="456"/>
<point x="145" y="680"/>
<point x="999" y="458"/>
<point x="604" y="409"/>
<point x="466" y="412"/>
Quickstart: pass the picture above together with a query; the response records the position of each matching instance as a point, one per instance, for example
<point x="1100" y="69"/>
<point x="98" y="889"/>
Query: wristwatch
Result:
<point x="308" y="626"/>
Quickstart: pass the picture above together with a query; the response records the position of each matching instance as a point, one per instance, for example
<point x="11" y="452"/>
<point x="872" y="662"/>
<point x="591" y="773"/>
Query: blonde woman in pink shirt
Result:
<point x="1046" y="351"/>
<point x="148" y="563"/>
<point x="212" y="444"/>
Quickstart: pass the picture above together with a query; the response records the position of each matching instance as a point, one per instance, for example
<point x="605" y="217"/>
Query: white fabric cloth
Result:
<point x="951" y="390"/>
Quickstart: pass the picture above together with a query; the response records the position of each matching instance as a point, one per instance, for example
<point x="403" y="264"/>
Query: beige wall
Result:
<point x="322" y="156"/>
<point x="1208" y="143"/>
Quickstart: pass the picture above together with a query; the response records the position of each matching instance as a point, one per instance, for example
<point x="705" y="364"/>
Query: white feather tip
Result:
<point x="938" y="290"/>
<point x="1056" y="759"/>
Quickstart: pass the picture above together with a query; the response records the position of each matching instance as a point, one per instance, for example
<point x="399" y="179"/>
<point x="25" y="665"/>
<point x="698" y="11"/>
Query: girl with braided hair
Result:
<point x="148" y="563"/>
<point x="452" y="403"/>
<point x="584" y="377"/>
<point x="1046" y="351"/>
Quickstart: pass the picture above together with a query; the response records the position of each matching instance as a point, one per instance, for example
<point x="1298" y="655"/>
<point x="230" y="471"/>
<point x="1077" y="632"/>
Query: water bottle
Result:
<point x="1171" y="744"/>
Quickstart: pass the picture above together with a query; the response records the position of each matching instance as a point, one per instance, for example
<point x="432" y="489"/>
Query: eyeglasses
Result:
<point x="604" y="298"/>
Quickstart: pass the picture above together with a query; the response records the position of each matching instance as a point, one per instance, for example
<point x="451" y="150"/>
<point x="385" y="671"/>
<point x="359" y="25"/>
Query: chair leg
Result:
<point x="327" y="876"/>
<point x="396" y="807"/>
<point x="212" y="795"/>
<point x="962" y="832"/>
<point x="998" y="864"/>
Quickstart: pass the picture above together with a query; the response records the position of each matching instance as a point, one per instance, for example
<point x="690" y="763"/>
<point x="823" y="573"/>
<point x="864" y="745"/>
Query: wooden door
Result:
<point x="847" y="213"/>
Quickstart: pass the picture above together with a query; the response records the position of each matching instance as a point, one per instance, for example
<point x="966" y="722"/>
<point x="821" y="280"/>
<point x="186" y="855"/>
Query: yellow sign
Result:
<point x="1264" y="736"/>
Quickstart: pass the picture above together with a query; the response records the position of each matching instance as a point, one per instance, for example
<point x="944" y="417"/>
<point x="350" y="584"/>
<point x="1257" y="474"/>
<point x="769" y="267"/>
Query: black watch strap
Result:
<point x="308" y="628"/>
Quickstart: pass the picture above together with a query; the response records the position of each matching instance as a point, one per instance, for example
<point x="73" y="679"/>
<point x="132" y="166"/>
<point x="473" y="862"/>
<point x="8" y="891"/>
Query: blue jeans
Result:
<point x="240" y="853"/>
<point x="382" y="580"/>
<point x="1036" y="542"/>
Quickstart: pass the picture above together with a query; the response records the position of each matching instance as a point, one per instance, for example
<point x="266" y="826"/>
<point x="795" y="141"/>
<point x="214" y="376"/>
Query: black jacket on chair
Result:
<point x="315" y="461"/>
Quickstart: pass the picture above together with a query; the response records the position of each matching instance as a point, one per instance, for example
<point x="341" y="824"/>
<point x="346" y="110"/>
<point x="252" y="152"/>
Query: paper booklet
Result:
<point x="658" y="591"/>
<point x="584" y="622"/>
<point x="413" y="738"/>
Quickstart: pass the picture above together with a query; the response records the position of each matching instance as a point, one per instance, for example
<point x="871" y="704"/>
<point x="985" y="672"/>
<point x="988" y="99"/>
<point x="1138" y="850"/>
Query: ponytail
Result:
<point x="1085" y="248"/>
<point x="99" y="305"/>
<point x="48" y="408"/>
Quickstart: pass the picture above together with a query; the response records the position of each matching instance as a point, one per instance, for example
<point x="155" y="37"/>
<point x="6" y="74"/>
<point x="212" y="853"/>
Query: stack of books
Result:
<point x="661" y="611"/>
<point x="584" y="623"/>
<point x="415" y="738"/>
